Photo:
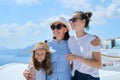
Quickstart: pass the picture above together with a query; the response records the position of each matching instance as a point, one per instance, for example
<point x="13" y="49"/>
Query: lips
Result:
<point x="73" y="26"/>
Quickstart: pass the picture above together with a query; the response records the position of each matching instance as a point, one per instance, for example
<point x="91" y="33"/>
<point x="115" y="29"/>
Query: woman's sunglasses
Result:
<point x="74" y="19"/>
<point x="58" y="26"/>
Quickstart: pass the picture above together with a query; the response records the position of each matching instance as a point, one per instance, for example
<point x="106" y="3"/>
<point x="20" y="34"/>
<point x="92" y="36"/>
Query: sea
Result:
<point x="6" y="59"/>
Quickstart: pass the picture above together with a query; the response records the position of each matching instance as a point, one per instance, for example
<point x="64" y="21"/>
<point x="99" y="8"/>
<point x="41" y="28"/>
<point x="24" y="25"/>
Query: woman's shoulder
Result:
<point x="49" y="41"/>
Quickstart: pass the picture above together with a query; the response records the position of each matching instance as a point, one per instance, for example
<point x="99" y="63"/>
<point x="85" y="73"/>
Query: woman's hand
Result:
<point x="27" y="74"/>
<point x="96" y="41"/>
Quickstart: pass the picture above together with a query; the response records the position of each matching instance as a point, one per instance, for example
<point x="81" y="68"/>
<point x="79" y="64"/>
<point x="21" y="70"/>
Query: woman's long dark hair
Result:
<point x="66" y="36"/>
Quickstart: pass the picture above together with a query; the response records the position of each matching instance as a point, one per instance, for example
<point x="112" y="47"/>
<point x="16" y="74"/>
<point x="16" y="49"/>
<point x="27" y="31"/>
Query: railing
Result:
<point x="110" y="59"/>
<point x="110" y="56"/>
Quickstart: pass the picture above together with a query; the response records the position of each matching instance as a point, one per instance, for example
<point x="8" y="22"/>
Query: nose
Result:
<point x="70" y="22"/>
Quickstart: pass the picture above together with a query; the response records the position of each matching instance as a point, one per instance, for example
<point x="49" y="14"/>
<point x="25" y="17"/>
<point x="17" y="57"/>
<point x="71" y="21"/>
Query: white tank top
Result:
<point x="40" y="75"/>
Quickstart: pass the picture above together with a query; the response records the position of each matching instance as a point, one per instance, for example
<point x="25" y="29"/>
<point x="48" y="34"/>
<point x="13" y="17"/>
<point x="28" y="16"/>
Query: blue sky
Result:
<point x="24" y="22"/>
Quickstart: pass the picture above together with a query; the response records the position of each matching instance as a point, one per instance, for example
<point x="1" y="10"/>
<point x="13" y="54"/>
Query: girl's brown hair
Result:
<point x="46" y="64"/>
<point x="86" y="16"/>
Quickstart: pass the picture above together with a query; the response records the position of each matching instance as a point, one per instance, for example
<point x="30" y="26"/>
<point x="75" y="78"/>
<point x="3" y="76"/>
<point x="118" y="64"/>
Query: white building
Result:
<point x="117" y="43"/>
<point x="108" y="44"/>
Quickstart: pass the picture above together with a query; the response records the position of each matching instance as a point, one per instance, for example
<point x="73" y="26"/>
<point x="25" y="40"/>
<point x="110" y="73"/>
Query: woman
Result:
<point x="60" y="65"/>
<point x="86" y="57"/>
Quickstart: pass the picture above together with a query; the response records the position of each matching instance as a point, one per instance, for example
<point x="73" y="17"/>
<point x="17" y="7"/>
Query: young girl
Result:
<point x="86" y="57"/>
<point x="40" y="65"/>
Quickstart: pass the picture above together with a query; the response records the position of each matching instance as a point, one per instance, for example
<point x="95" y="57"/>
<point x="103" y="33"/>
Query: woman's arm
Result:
<point x="96" y="41"/>
<point x="32" y="72"/>
<point x="27" y="74"/>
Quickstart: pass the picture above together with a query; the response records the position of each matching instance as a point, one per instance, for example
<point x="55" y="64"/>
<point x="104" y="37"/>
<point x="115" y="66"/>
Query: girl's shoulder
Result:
<point x="91" y="36"/>
<point x="72" y="37"/>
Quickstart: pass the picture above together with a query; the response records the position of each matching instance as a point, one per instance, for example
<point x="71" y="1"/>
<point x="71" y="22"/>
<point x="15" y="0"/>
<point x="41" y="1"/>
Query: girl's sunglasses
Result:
<point x="58" y="26"/>
<point x="73" y="19"/>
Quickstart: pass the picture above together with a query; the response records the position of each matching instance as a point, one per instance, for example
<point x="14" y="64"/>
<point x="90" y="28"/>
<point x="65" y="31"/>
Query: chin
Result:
<point x="73" y="28"/>
<point x="40" y="60"/>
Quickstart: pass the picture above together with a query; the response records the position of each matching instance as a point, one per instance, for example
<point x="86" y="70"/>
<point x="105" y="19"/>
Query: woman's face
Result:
<point x="58" y="30"/>
<point x="40" y="55"/>
<point x="76" y="22"/>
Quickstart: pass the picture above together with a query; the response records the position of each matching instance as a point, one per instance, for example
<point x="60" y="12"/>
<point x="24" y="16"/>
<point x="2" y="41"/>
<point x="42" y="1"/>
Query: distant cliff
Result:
<point x="23" y="52"/>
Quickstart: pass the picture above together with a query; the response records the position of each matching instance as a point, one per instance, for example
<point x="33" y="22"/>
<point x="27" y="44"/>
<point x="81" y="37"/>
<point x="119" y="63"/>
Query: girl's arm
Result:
<point x="96" y="62"/>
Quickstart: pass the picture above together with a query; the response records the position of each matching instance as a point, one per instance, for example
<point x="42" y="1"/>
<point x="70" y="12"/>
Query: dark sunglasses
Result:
<point x="74" y="19"/>
<point x="58" y="26"/>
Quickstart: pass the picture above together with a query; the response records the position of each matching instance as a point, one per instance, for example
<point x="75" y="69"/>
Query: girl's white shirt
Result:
<point x="82" y="46"/>
<point x="39" y="74"/>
